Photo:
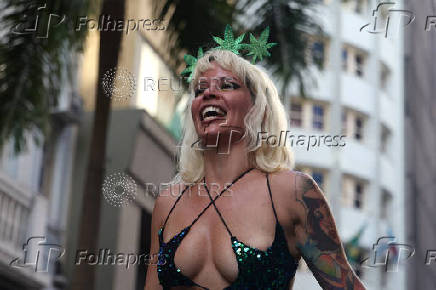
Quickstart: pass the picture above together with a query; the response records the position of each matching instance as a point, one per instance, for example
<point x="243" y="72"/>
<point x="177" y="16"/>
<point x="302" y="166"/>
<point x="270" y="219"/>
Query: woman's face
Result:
<point x="220" y="105"/>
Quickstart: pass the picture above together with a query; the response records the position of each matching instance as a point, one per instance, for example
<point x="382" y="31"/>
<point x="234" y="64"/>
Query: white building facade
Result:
<point x="358" y="94"/>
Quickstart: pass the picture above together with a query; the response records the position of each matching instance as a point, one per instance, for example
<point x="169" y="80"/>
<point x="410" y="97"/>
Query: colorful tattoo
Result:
<point x="320" y="245"/>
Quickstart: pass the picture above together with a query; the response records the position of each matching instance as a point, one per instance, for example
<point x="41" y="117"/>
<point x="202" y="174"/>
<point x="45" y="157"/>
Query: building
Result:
<point x="141" y="148"/>
<point x="420" y="117"/>
<point x="35" y="188"/>
<point x="358" y="93"/>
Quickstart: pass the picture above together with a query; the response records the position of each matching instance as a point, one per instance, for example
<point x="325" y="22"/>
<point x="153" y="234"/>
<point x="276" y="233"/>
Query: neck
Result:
<point x="222" y="169"/>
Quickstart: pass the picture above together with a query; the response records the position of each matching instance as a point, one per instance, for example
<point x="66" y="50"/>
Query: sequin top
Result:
<point x="257" y="269"/>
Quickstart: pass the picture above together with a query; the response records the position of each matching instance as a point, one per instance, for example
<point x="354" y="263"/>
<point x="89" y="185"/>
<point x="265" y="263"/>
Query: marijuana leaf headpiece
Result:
<point x="257" y="48"/>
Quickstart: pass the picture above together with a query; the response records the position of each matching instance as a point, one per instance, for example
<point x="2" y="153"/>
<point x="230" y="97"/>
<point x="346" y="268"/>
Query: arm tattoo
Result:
<point x="321" y="247"/>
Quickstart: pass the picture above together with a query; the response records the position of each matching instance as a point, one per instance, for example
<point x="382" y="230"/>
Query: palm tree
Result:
<point x="193" y="22"/>
<point x="110" y="43"/>
<point x="31" y="63"/>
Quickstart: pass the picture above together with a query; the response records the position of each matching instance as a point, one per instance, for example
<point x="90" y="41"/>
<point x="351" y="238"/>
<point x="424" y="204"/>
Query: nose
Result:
<point x="209" y="93"/>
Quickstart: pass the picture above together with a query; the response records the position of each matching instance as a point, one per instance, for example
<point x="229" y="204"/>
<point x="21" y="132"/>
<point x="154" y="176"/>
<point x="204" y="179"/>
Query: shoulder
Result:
<point x="292" y="189"/>
<point x="165" y="201"/>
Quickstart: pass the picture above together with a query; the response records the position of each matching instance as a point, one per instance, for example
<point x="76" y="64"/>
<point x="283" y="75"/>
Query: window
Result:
<point x="358" y="195"/>
<point x="359" y="59"/>
<point x="386" y="205"/>
<point x="384" y="139"/>
<point x="296" y="115"/>
<point x="318" y="53"/>
<point x="360" y="6"/>
<point x="358" y="128"/>
<point x="344" y="123"/>
<point x="318" y="176"/>
<point x="384" y="77"/>
<point x="318" y="117"/>
<point x="344" y="59"/>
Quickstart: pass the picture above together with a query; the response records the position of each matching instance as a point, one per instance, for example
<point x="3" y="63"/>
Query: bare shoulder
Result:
<point x="283" y="187"/>
<point x="165" y="200"/>
<point x="290" y="187"/>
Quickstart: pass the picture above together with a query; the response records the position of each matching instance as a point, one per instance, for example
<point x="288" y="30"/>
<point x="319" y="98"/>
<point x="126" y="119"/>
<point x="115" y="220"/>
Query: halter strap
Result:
<point x="213" y="200"/>
<point x="210" y="203"/>
<point x="219" y="213"/>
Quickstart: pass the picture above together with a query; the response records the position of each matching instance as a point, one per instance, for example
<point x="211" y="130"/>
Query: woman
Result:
<point x="261" y="217"/>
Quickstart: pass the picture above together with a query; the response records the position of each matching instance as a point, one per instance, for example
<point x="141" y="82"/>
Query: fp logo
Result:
<point x="378" y="12"/>
<point x="390" y="252"/>
<point x="236" y="135"/>
<point x="41" y="31"/>
<point x="38" y="254"/>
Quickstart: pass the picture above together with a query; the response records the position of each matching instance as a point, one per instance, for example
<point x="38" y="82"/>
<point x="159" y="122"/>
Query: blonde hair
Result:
<point x="266" y="115"/>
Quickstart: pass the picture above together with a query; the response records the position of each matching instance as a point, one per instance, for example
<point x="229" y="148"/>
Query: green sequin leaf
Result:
<point x="258" y="48"/>
<point x="229" y="42"/>
<point x="191" y="62"/>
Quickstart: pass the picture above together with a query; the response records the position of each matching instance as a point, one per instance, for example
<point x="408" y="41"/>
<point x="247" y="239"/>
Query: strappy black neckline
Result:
<point x="210" y="203"/>
<point x="278" y="240"/>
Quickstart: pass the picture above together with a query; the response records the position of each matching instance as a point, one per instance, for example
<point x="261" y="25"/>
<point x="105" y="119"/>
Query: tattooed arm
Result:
<point x="318" y="240"/>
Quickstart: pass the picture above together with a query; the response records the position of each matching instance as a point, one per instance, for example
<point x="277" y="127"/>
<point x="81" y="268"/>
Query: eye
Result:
<point x="198" y="91"/>
<point x="227" y="86"/>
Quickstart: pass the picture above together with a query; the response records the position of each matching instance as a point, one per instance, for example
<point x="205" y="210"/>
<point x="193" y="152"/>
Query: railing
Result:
<point x="14" y="220"/>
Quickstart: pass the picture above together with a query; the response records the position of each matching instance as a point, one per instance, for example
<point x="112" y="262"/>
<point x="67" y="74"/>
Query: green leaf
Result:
<point x="229" y="42"/>
<point x="258" y="48"/>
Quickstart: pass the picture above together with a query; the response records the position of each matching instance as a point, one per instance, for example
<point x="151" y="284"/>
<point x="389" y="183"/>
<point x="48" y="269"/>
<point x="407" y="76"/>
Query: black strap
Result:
<point x="270" y="195"/>
<point x="174" y="205"/>
<point x="213" y="200"/>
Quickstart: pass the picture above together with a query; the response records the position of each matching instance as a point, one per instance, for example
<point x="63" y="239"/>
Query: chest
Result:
<point x="240" y="235"/>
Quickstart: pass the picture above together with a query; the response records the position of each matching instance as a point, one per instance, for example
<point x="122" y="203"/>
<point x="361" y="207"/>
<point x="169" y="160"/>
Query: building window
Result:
<point x="318" y="53"/>
<point x="318" y="117"/>
<point x="384" y="139"/>
<point x="358" y="195"/>
<point x="344" y="59"/>
<point x="386" y="205"/>
<point x="318" y="176"/>
<point x="359" y="63"/>
<point x="296" y="115"/>
<point x="344" y="123"/>
<point x="384" y="77"/>
<point x="360" y="6"/>
<point x="358" y="128"/>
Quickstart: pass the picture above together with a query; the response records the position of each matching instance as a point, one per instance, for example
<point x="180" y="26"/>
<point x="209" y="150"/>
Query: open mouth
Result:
<point x="211" y="112"/>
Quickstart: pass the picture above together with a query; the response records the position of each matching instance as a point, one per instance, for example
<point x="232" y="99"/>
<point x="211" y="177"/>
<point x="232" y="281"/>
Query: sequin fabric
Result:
<point x="257" y="269"/>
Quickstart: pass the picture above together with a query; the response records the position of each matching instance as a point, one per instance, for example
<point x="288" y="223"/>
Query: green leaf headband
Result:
<point x="258" y="48"/>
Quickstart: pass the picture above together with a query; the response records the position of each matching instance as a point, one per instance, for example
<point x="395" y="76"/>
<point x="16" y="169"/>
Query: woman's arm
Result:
<point x="318" y="240"/>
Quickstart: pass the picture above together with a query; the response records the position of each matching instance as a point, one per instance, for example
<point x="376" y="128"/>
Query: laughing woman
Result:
<point x="242" y="218"/>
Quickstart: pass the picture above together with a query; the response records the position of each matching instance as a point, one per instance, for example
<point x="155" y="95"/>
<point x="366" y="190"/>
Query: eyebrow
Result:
<point x="203" y="80"/>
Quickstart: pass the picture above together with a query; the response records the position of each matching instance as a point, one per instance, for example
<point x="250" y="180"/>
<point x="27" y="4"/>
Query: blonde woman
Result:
<point x="241" y="218"/>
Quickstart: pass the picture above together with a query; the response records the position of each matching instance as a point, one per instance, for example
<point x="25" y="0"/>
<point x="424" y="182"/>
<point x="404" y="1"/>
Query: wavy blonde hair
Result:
<point x="266" y="115"/>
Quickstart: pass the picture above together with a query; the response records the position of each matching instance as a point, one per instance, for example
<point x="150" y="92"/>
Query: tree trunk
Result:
<point x="110" y="42"/>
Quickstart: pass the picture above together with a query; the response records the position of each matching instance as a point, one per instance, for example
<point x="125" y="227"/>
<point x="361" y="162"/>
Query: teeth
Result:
<point x="208" y="109"/>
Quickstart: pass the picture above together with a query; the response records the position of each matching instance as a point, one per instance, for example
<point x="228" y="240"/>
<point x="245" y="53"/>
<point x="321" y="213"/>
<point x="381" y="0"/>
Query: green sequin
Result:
<point x="257" y="269"/>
